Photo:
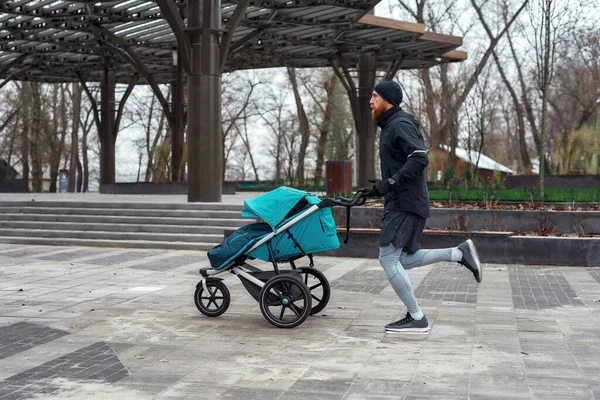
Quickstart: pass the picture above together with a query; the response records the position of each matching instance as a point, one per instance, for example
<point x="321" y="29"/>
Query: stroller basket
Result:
<point x="264" y="276"/>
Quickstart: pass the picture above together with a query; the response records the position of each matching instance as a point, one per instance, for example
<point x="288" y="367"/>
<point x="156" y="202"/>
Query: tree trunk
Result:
<point x="304" y="128"/>
<point x="26" y="93"/>
<point x="84" y="155"/>
<point x="51" y="132"/>
<point x="526" y="161"/>
<point x="546" y="76"/>
<point x="73" y="167"/>
<point x="56" y="138"/>
<point x="246" y="141"/>
<point x="36" y="127"/>
<point x="161" y="158"/>
<point x="325" y="127"/>
<point x="150" y="148"/>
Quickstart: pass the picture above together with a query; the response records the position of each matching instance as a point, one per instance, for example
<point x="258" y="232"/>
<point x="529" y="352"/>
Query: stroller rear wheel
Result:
<point x="285" y="301"/>
<point x="213" y="302"/>
<point x="318" y="285"/>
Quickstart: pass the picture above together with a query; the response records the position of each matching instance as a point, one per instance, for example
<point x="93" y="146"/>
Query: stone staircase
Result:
<point x="185" y="226"/>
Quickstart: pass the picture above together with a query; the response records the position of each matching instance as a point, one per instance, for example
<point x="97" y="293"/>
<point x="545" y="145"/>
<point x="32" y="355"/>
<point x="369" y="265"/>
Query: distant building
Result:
<point x="486" y="167"/>
<point x="6" y="171"/>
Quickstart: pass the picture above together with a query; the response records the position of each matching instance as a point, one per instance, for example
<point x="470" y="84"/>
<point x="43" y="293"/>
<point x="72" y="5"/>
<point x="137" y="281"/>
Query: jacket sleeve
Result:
<point x="409" y="141"/>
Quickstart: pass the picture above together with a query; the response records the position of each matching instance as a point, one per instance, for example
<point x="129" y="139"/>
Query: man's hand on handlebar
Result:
<point x="369" y="192"/>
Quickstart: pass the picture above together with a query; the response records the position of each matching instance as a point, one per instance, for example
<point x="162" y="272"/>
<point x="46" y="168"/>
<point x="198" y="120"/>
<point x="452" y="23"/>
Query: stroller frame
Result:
<point x="280" y="289"/>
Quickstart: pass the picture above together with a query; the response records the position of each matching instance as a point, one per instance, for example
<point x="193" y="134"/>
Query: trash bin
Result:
<point x="63" y="181"/>
<point x="338" y="176"/>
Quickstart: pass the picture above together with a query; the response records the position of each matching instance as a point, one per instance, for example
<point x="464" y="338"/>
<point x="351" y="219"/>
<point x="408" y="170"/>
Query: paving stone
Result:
<point x="370" y="387"/>
<point x="165" y="264"/>
<point x="23" y="336"/>
<point x="71" y="255"/>
<point x="362" y="281"/>
<point x="300" y="395"/>
<point x="307" y="385"/>
<point x="251" y="394"/>
<point x="121" y="258"/>
<point x="27" y="252"/>
<point x="595" y="273"/>
<point x="448" y="283"/>
<point x="102" y="365"/>
<point x="539" y="288"/>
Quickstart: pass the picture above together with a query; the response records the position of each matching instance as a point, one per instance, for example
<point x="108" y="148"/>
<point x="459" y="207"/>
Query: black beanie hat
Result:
<point x="390" y="91"/>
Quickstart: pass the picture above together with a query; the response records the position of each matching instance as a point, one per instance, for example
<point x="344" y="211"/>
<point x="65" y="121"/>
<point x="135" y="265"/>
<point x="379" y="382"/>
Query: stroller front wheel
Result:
<point x="285" y="301"/>
<point x="213" y="302"/>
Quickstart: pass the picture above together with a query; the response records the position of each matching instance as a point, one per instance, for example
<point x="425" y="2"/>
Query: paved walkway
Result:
<point x="95" y="323"/>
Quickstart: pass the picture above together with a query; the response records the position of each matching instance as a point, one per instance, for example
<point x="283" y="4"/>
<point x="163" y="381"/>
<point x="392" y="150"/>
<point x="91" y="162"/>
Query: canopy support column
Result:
<point x="204" y="102"/>
<point x="366" y="127"/>
<point x="177" y="140"/>
<point x="359" y="98"/>
<point x="107" y="131"/>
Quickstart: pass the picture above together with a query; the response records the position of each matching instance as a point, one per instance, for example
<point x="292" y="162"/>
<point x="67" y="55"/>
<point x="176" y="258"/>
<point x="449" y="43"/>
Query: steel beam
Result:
<point x="139" y="65"/>
<point x="232" y="24"/>
<point x="171" y="13"/>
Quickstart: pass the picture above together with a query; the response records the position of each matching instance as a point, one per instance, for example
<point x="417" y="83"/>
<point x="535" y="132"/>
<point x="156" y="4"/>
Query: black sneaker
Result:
<point x="471" y="259"/>
<point x="409" y="325"/>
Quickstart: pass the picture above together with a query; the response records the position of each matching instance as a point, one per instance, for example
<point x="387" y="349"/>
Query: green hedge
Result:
<point x="518" y="195"/>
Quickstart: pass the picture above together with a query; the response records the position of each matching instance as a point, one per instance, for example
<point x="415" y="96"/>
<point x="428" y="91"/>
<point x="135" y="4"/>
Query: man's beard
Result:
<point x="376" y="113"/>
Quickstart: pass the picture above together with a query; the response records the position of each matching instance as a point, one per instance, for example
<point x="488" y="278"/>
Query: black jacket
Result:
<point x="403" y="158"/>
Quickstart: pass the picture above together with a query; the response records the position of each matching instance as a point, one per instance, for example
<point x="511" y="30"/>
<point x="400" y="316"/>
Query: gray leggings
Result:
<point x="395" y="261"/>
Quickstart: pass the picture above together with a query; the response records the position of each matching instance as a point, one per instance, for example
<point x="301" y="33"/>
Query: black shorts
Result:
<point x="402" y="229"/>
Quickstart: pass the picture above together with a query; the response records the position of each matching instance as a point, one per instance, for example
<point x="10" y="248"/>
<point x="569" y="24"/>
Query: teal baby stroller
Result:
<point x="295" y="224"/>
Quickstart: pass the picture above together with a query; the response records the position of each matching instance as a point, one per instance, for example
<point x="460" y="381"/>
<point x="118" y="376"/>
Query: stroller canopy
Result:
<point x="276" y="206"/>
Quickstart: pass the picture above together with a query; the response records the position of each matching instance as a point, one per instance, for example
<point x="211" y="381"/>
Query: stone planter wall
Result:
<point x="493" y="247"/>
<point x="14" y="186"/>
<point x="489" y="220"/>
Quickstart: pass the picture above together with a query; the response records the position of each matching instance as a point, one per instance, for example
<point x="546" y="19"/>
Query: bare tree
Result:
<point x="544" y="17"/>
<point x="442" y="104"/>
<point x="303" y="125"/>
<point x="83" y="167"/>
<point x="243" y="134"/>
<point x="481" y="109"/>
<point x="277" y="120"/>
<point x="291" y="148"/>
<point x="238" y="98"/>
<point x="324" y="120"/>
<point x="35" y="138"/>
<point x="76" y="115"/>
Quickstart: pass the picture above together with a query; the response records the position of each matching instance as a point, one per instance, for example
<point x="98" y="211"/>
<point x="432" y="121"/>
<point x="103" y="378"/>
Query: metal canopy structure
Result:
<point x="54" y="41"/>
<point x="167" y="41"/>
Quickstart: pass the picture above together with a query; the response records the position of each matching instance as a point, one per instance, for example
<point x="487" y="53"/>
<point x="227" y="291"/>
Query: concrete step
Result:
<point x="125" y="205"/>
<point x="122" y="212"/>
<point x="115" y="236"/>
<point x="109" y="219"/>
<point x="188" y="226"/>
<point x="139" y="244"/>
<point x="114" y="227"/>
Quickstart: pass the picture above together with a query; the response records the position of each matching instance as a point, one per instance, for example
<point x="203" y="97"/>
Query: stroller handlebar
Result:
<point x="358" y="200"/>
